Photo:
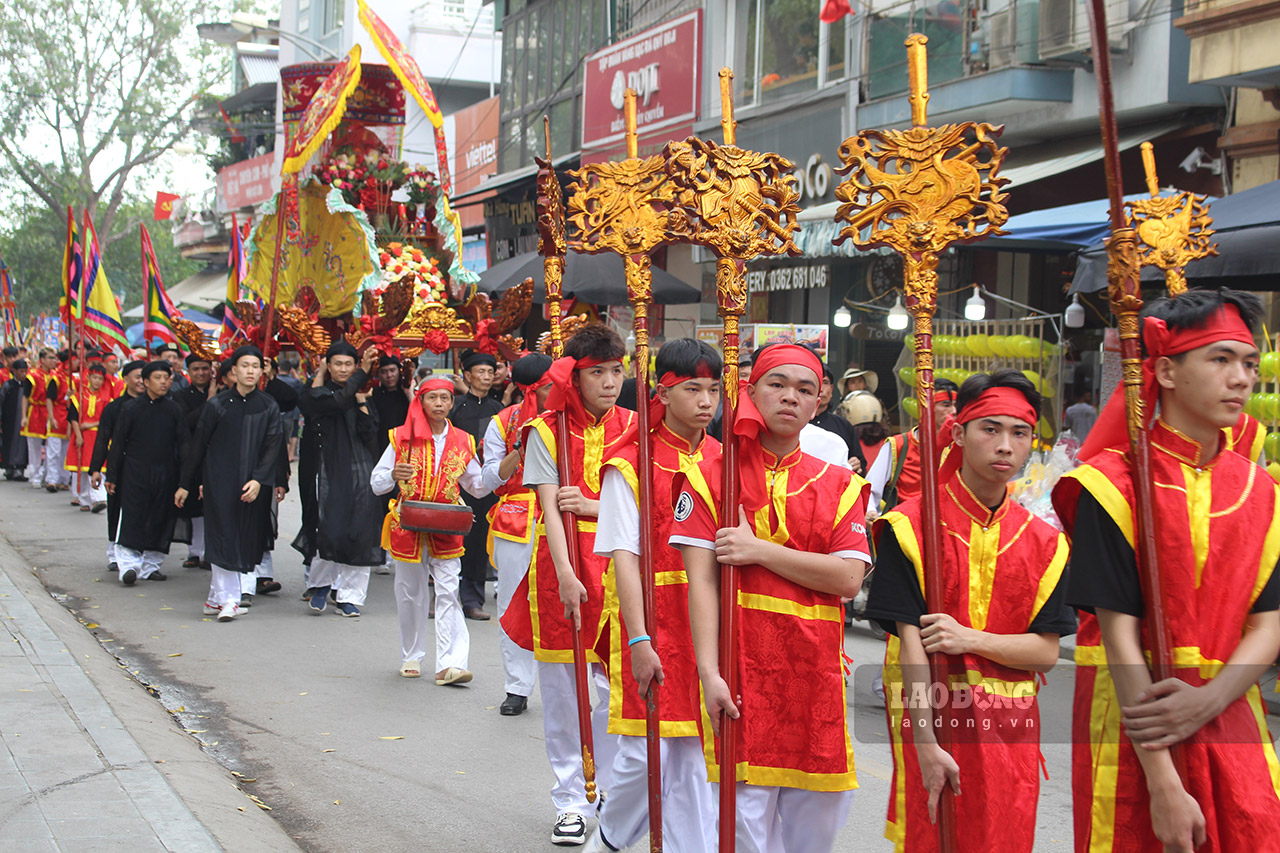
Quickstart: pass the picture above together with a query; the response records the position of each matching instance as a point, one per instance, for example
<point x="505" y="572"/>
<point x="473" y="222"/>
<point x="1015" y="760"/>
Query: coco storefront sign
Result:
<point x="662" y="65"/>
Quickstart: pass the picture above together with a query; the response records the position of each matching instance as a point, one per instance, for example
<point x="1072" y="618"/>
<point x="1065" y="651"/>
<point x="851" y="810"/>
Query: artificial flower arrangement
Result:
<point x="366" y="178"/>
<point x="399" y="260"/>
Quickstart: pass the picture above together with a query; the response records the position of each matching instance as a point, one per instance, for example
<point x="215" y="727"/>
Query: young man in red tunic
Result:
<point x="551" y="600"/>
<point x="432" y="460"/>
<point x="658" y="651"/>
<point x="60" y="384"/>
<point x="1004" y="608"/>
<point x="1218" y="533"/>
<point x="799" y="540"/>
<point x="84" y="433"/>
<point x="514" y="518"/>
<point x="35" y="421"/>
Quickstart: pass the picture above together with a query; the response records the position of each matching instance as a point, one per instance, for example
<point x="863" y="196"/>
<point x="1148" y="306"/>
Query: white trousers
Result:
<point x="512" y="559"/>
<point x="54" y="458"/>
<point x="788" y="820"/>
<point x="111" y="552"/>
<point x="225" y="586"/>
<point x="196" y="548"/>
<point x="85" y="491"/>
<point x="560" y="729"/>
<point x="689" y="807"/>
<point x="413" y="603"/>
<point x="145" y="563"/>
<point x="351" y="583"/>
<point x="265" y="569"/>
<point x="35" y="461"/>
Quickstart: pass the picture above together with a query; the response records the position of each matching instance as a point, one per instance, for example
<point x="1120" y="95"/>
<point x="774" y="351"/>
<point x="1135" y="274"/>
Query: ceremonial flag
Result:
<point x="160" y="312"/>
<point x="99" y="317"/>
<point x="12" y="328"/>
<point x="236" y="269"/>
<point x="72" y="272"/>
<point x="236" y="136"/>
<point x="164" y="205"/>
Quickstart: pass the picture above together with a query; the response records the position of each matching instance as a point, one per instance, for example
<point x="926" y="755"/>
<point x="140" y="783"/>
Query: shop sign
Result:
<point x="661" y="64"/>
<point x="247" y="183"/>
<point x="789" y="278"/>
<point x="811" y="335"/>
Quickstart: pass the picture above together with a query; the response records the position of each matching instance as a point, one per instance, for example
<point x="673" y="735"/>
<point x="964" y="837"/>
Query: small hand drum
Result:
<point x="428" y="517"/>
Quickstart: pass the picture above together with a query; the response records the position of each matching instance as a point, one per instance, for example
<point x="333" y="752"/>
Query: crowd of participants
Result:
<point x="204" y="458"/>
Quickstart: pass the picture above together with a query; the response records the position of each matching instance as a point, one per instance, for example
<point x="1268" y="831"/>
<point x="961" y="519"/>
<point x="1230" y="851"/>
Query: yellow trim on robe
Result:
<point x="1053" y="574"/>
<point x="1106" y="494"/>
<point x="772" y="604"/>
<point x="1199" y="495"/>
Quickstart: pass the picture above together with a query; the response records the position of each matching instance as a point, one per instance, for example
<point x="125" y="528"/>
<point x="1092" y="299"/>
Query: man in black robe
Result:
<point x="471" y="413"/>
<point x="13" y="399"/>
<point x="143" y="462"/>
<point x="192" y="399"/>
<point x="341" y="532"/>
<point x="232" y="457"/>
<point x="132" y="376"/>
<point x="263" y="581"/>
<point x="390" y="398"/>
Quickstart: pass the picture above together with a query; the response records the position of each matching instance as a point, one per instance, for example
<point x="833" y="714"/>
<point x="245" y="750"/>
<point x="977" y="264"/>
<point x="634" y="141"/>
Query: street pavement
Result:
<point x="310" y="711"/>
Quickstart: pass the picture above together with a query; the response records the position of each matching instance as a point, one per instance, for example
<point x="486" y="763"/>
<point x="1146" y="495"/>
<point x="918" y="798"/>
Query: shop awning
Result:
<point x="1247" y="230"/>
<point x="506" y="179"/>
<point x="819" y="227"/>
<point x="203" y="291"/>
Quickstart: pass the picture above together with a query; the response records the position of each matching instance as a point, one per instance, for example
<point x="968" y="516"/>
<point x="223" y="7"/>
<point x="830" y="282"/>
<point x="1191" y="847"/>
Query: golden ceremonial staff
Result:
<point x="622" y="207"/>
<point x="551" y="245"/>
<point x="1174" y="231"/>
<point x="739" y="204"/>
<point x="1125" y="292"/>
<point x="918" y="191"/>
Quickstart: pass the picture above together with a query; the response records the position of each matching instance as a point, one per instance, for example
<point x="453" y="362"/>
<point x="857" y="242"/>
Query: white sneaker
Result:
<point x="382" y="570"/>
<point x="228" y="612"/>
<point x="211" y="609"/>
<point x="570" y="830"/>
<point x="596" y="844"/>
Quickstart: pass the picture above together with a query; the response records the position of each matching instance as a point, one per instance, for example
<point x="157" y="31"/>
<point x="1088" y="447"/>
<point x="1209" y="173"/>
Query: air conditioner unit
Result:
<point x="1014" y="35"/>
<point x="1064" y="29"/>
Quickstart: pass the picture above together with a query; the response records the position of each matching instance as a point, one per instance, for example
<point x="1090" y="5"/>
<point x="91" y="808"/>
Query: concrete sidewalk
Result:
<point x="72" y="774"/>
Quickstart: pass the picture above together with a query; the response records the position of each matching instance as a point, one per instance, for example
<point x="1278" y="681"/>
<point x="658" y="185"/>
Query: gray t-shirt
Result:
<point x="539" y="467"/>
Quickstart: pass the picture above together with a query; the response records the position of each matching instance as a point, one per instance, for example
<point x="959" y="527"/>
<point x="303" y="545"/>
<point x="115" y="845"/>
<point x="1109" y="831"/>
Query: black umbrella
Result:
<point x="597" y="279"/>
<point x="1247" y="230"/>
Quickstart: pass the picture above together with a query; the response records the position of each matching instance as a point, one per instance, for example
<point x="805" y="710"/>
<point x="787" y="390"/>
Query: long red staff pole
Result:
<point x="551" y="245"/>
<point x="622" y="207"/>
<point x="1125" y="293"/>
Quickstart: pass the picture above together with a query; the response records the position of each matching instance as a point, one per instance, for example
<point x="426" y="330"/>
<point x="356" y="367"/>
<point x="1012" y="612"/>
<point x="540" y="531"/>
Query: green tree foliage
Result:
<point x="97" y="90"/>
<point x="31" y="244"/>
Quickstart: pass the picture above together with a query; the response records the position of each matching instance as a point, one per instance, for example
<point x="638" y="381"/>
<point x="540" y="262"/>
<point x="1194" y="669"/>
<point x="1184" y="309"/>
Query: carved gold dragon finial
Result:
<point x="1172" y="231"/>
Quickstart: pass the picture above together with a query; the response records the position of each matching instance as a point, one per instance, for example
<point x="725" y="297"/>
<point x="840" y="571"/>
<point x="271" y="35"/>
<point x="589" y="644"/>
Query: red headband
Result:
<point x="1000" y="402"/>
<point x="658" y="410"/>
<point x="529" y="405"/>
<point x="1111" y="429"/>
<point x="435" y="384"/>
<point x="564" y="397"/>
<point x="749" y="423"/>
<point x="943" y="396"/>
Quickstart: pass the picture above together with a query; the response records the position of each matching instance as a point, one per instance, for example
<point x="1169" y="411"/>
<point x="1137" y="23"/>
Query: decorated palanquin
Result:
<point x="359" y="243"/>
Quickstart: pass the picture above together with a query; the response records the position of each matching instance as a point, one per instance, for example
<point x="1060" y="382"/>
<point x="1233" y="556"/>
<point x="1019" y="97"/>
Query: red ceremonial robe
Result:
<point x="37" y="415"/>
<point x="515" y="515"/>
<point x="62" y="384"/>
<point x="428" y="484"/>
<point x="792" y="732"/>
<point x="908" y="484"/>
<point x="1219" y="529"/>
<point x="1246" y="438"/>
<point x="999" y="568"/>
<point x="680" y="708"/>
<point x="78" y="457"/>
<point x="535" y="618"/>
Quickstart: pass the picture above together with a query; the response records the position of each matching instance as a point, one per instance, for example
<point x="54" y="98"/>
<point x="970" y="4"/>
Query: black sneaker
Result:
<point x="156" y="576"/>
<point x="246" y="600"/>
<point x="113" y="567"/>
<point x="514" y="705"/>
<point x="128" y="577"/>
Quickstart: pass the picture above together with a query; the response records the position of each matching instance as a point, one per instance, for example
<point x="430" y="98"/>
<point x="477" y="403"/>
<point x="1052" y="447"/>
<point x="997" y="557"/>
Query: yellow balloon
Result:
<point x="1274" y="470"/>
<point x="999" y="345"/>
<point x="910" y="406"/>
<point x="978" y="345"/>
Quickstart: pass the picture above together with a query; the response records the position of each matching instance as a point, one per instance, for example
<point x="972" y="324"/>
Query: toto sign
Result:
<point x="662" y="64"/>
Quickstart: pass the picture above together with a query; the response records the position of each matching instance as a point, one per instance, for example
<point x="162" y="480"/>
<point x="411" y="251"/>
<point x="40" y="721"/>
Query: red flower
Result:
<point x="436" y="340"/>
<point x="382" y="164"/>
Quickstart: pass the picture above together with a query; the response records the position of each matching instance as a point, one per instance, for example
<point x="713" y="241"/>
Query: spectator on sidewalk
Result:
<point x="1080" y="416"/>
